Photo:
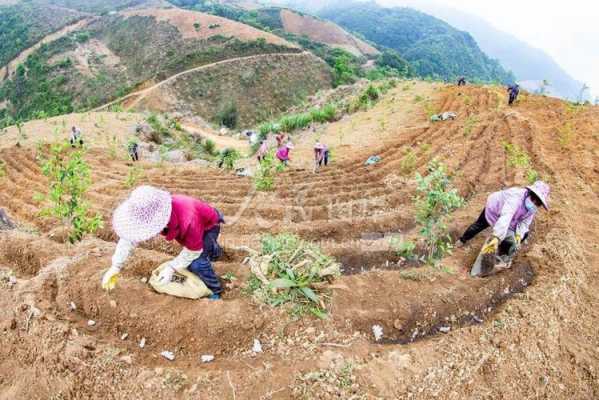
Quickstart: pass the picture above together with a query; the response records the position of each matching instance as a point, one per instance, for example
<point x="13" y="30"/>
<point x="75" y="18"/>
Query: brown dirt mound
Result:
<point x="325" y="32"/>
<point x="197" y="25"/>
<point x="544" y="335"/>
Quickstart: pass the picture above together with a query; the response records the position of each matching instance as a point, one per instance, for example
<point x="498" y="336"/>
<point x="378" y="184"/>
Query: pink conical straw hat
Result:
<point x="143" y="215"/>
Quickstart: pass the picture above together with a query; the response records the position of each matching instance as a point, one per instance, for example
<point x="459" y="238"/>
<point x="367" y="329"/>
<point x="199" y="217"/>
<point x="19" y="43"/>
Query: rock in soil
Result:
<point x="206" y="358"/>
<point x="169" y="355"/>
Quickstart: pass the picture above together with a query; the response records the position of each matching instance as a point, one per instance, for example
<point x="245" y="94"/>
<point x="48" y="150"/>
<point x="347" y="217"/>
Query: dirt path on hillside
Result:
<point x="133" y="99"/>
<point x="11" y="67"/>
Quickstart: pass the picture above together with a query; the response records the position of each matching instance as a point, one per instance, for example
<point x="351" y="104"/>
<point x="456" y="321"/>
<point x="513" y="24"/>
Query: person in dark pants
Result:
<point x="462" y="81"/>
<point x="510" y="213"/>
<point x="195" y="225"/>
<point x="514" y="91"/>
<point x="133" y="149"/>
<point x="75" y="138"/>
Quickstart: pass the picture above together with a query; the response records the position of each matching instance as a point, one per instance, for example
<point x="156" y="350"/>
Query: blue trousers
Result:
<point x="202" y="265"/>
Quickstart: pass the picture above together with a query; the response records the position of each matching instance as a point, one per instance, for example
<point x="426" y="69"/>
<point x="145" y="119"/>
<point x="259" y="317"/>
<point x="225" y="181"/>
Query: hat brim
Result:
<point x="540" y="197"/>
<point x="127" y="228"/>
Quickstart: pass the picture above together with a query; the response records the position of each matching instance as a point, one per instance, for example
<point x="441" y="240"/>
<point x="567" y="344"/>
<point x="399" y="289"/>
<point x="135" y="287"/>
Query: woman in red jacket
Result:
<point x="195" y="225"/>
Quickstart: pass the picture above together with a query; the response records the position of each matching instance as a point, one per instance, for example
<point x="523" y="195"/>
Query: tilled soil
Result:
<point x="445" y="335"/>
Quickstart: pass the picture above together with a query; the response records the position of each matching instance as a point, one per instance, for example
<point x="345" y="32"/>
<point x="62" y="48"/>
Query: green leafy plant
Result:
<point x="289" y="270"/>
<point x="435" y="201"/>
<point x="519" y="158"/>
<point x="69" y="180"/>
<point x="264" y="180"/>
<point x="228" y="158"/>
<point x="403" y="248"/>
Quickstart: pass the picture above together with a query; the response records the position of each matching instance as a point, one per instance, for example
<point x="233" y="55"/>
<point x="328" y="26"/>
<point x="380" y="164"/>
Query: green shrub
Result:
<point x="291" y="271"/>
<point x="210" y="147"/>
<point x="228" y="158"/>
<point x="227" y="115"/>
<point x="69" y="177"/>
<point x="264" y="180"/>
<point x="435" y="200"/>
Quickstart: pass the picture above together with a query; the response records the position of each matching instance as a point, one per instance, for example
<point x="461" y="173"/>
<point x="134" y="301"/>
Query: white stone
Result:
<point x="124" y="336"/>
<point x="444" y="329"/>
<point x="206" y="358"/>
<point x="257" y="348"/>
<point x="91" y="322"/>
<point x="72" y="306"/>
<point x="377" y="331"/>
<point x="169" y="355"/>
<point x="142" y="343"/>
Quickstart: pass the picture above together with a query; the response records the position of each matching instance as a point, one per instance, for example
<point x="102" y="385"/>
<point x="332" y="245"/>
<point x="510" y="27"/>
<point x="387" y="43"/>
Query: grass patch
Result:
<point x="469" y="125"/>
<point x="518" y="158"/>
<point x="407" y="164"/>
<point x="565" y="134"/>
<point x="134" y="174"/>
<point x="290" y="271"/>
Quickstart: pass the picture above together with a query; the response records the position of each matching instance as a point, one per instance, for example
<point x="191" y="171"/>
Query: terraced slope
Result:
<point x="548" y="328"/>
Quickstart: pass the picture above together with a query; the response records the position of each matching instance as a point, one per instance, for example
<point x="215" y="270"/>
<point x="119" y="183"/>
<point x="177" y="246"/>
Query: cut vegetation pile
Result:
<point x="291" y="270"/>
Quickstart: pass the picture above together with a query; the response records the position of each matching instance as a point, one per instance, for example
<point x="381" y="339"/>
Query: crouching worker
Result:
<point x="510" y="213"/>
<point x="149" y="212"/>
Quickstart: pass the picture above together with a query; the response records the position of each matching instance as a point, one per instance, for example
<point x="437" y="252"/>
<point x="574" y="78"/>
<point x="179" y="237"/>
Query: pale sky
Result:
<point x="566" y="30"/>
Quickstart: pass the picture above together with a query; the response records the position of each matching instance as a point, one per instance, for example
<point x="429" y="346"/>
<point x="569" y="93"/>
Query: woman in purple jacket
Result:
<point x="510" y="213"/>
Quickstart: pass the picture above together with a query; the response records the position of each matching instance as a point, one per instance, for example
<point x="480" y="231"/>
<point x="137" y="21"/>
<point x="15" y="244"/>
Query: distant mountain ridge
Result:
<point x="433" y="47"/>
<point x="530" y="65"/>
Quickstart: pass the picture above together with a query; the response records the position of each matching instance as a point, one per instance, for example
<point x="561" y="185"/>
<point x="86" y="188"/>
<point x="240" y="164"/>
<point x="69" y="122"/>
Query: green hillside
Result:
<point x="434" y="48"/>
<point x="23" y="25"/>
<point x="121" y="53"/>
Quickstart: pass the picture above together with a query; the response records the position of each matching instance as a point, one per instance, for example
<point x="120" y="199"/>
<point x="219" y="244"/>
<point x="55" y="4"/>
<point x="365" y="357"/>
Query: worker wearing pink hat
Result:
<point x="194" y="224"/>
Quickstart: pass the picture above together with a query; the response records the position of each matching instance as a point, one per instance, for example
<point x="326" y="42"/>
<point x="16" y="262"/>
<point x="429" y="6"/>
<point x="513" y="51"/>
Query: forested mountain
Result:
<point x="433" y="47"/>
<point x="529" y="64"/>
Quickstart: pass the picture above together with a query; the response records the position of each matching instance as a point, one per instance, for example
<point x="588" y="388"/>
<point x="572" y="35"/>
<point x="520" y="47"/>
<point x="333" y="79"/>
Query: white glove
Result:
<point x="166" y="275"/>
<point x="109" y="278"/>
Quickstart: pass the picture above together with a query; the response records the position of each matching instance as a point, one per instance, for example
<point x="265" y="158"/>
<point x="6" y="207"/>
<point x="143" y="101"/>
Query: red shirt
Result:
<point x="190" y="218"/>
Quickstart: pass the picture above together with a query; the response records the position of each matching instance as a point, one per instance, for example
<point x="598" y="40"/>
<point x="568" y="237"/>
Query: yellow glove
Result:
<point x="110" y="278"/>
<point x="518" y="240"/>
<point x="491" y="246"/>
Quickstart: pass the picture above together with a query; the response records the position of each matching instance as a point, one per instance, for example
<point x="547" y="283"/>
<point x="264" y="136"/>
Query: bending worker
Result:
<point x="149" y="212"/>
<point x="510" y="213"/>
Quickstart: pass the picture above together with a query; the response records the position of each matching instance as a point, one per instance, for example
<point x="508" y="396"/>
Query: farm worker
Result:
<point x="281" y="137"/>
<point x="283" y="153"/>
<point x="75" y="138"/>
<point x="514" y="91"/>
<point x="262" y="151"/>
<point x="149" y="212"/>
<point x="321" y="155"/>
<point x="510" y="213"/>
<point x="462" y="81"/>
<point x="133" y="149"/>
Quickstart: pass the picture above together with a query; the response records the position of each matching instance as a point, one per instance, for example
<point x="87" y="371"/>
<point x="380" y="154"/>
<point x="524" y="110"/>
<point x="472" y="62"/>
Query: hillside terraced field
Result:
<point x="544" y="335"/>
